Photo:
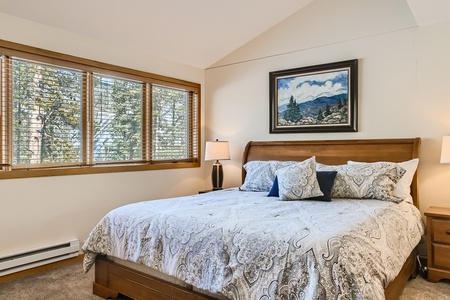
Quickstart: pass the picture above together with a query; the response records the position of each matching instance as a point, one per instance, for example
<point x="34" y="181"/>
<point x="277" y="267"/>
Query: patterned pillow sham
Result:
<point x="261" y="174"/>
<point x="298" y="181"/>
<point x="365" y="180"/>
<point x="403" y="186"/>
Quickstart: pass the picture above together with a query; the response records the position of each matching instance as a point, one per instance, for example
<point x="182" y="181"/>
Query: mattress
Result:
<point x="245" y="245"/>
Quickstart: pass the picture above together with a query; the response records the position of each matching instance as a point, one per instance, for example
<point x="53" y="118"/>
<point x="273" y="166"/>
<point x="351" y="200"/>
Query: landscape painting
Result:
<point x="320" y="98"/>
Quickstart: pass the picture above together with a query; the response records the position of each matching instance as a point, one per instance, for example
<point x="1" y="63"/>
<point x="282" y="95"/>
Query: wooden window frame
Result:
<point x="87" y="166"/>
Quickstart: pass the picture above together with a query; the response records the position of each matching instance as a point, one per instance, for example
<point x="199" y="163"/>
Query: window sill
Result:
<point x="61" y="171"/>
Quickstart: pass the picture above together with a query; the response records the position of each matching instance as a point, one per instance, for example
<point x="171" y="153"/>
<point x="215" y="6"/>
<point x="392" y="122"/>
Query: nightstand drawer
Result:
<point x="441" y="254"/>
<point x="441" y="231"/>
<point x="438" y="243"/>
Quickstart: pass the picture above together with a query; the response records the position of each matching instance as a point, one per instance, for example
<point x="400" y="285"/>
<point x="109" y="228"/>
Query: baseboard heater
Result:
<point x="38" y="257"/>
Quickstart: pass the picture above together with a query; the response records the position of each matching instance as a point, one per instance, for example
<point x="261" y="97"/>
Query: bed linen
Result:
<point x="245" y="245"/>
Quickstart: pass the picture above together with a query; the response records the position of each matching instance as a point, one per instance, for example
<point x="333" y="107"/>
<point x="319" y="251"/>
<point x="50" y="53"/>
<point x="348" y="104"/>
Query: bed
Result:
<point x="231" y="260"/>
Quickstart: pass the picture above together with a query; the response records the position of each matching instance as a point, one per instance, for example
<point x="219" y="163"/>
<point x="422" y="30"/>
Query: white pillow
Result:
<point x="298" y="181"/>
<point x="403" y="187"/>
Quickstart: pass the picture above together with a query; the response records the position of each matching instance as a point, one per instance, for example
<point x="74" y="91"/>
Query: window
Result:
<point x="117" y="119"/>
<point x="170" y="122"/>
<point x="46" y="114"/>
<point x="67" y="115"/>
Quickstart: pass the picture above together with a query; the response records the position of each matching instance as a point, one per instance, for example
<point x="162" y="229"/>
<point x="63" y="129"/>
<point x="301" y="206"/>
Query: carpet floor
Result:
<point x="69" y="282"/>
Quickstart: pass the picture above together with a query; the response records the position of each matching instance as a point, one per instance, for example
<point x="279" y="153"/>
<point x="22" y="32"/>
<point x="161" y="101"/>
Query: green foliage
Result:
<point x="292" y="113"/>
<point x="170" y="123"/>
<point x="46" y="114"/>
<point x="47" y="117"/>
<point x="319" y="115"/>
<point x="117" y="119"/>
<point x="327" y="110"/>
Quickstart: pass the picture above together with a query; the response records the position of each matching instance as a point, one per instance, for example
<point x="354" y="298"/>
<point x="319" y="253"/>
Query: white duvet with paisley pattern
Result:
<point x="245" y="245"/>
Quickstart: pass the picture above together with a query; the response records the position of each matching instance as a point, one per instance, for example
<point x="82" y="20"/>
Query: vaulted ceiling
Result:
<point x="192" y="32"/>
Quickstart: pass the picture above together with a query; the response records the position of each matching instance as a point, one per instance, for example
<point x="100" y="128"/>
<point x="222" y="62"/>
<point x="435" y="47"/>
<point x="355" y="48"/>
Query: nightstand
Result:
<point x="438" y="243"/>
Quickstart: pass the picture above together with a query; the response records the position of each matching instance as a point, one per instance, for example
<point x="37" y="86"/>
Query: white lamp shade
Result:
<point x="445" y="150"/>
<point x="217" y="150"/>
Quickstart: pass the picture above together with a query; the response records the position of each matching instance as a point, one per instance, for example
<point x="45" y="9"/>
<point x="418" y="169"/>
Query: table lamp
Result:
<point x="216" y="150"/>
<point x="445" y="150"/>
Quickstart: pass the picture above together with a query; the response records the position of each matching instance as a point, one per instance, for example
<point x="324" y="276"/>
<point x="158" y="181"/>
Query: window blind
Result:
<point x="173" y="115"/>
<point x="117" y="119"/>
<point x="46" y="113"/>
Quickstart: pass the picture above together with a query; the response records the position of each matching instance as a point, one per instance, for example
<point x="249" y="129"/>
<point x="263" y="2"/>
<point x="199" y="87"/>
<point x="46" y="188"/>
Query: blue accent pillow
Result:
<point x="274" y="190"/>
<point x="325" y="179"/>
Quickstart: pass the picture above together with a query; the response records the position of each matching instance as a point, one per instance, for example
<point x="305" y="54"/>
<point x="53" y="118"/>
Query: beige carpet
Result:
<point x="420" y="289"/>
<point x="69" y="282"/>
<point x="64" y="283"/>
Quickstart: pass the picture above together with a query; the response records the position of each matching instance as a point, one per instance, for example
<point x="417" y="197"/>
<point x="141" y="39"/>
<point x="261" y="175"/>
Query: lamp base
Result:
<point x="217" y="176"/>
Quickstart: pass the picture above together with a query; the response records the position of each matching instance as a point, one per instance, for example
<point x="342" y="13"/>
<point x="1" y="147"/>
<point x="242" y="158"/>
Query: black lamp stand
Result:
<point x="217" y="176"/>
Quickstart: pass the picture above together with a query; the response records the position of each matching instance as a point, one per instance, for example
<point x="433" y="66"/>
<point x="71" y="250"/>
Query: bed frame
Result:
<point x="112" y="279"/>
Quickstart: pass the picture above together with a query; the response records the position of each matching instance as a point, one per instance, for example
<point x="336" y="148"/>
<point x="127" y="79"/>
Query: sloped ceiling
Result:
<point x="428" y="12"/>
<point x="195" y="32"/>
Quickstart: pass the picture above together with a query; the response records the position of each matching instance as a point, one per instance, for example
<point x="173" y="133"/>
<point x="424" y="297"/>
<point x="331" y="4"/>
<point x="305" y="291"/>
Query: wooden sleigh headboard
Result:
<point x="336" y="152"/>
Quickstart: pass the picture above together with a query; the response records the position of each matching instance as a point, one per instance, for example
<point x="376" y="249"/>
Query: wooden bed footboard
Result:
<point x="408" y="271"/>
<point x="112" y="279"/>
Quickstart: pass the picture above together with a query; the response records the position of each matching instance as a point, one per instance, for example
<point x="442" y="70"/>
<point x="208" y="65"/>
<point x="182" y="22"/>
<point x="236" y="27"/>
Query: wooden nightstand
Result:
<point x="438" y="243"/>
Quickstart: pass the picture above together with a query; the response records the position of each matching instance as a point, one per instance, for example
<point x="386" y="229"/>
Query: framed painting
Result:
<point x="321" y="98"/>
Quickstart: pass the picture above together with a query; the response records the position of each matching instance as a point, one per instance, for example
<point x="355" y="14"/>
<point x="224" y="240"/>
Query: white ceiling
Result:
<point x="429" y="12"/>
<point x="192" y="32"/>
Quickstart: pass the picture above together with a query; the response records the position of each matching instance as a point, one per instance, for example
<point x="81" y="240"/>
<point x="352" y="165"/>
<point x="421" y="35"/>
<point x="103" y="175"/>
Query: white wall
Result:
<point x="404" y="81"/>
<point x="43" y="211"/>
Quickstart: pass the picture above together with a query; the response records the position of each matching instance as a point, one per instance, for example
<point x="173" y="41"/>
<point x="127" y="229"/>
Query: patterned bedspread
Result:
<point x="247" y="246"/>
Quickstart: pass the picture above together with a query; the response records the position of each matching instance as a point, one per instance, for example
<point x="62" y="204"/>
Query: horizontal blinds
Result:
<point x="117" y="119"/>
<point x="46" y="113"/>
<point x="172" y="123"/>
<point x="194" y="129"/>
<point x="5" y="92"/>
